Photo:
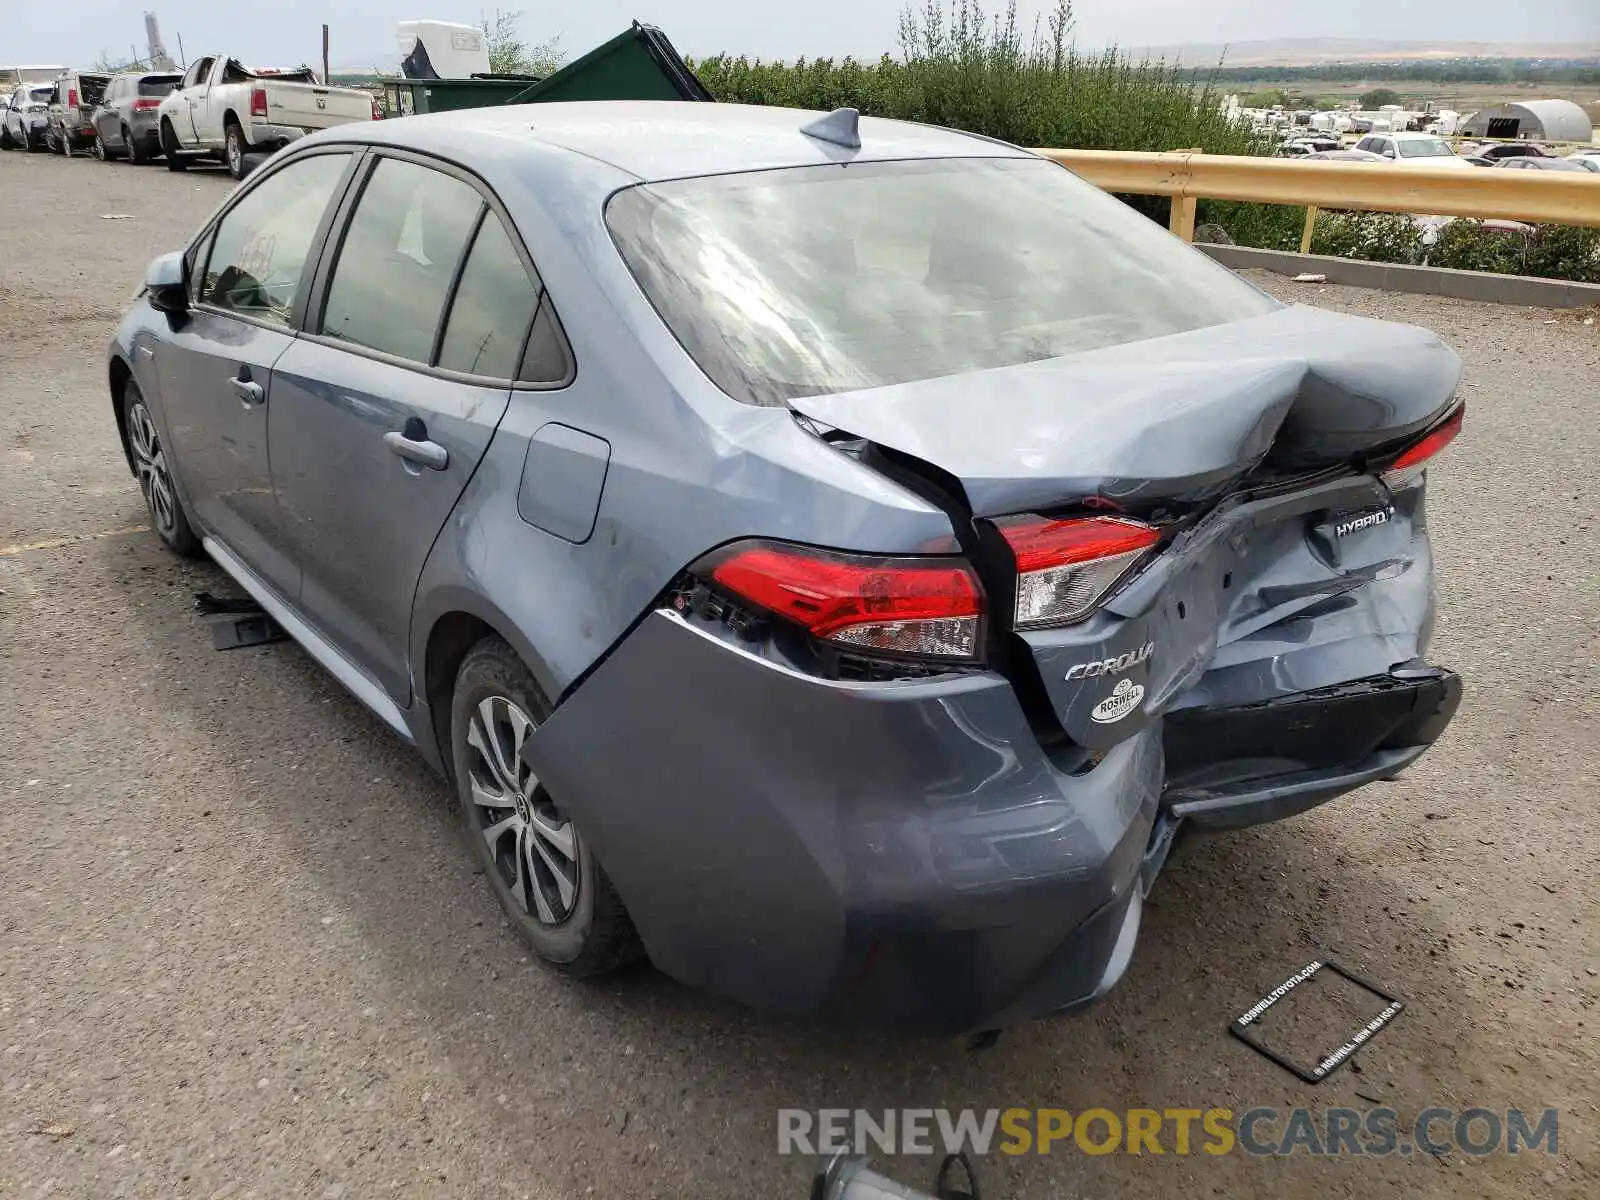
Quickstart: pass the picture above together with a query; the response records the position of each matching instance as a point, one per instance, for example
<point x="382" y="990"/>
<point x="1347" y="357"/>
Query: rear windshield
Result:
<point x="1424" y="148"/>
<point x="813" y="280"/>
<point x="158" y="85"/>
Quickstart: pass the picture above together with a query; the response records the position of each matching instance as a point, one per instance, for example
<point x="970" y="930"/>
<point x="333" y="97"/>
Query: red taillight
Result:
<point x="1065" y="568"/>
<point x="1410" y="464"/>
<point x="920" y="607"/>
<point x="377" y="110"/>
<point x="144" y="105"/>
<point x="72" y="97"/>
<point x="258" y="102"/>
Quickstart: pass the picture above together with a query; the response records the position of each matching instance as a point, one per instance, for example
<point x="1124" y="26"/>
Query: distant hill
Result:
<point x="1305" y="52"/>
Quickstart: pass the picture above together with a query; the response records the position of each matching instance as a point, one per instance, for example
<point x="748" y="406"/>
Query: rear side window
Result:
<point x="155" y="85"/>
<point x="261" y="244"/>
<point x="493" y="308"/>
<point x="399" y="258"/>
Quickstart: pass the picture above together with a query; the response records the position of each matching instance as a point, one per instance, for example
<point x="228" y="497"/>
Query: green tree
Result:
<point x="1378" y="97"/>
<point x="510" y="55"/>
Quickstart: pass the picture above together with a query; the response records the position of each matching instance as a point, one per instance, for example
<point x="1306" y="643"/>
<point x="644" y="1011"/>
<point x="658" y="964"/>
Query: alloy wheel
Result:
<point x="150" y="463"/>
<point x="534" y="848"/>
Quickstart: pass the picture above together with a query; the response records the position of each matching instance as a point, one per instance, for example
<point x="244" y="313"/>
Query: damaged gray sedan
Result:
<point x="833" y="558"/>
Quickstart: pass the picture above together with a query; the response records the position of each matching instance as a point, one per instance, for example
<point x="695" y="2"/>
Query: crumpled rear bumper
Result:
<point x="1243" y="765"/>
<point x="902" y="854"/>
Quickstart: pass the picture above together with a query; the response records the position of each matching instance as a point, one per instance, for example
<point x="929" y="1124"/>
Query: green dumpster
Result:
<point x="638" y="64"/>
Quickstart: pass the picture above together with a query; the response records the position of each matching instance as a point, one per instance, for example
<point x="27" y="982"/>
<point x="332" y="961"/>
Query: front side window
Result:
<point x="262" y="242"/>
<point x="812" y="280"/>
<point x="493" y="307"/>
<point x="398" y="259"/>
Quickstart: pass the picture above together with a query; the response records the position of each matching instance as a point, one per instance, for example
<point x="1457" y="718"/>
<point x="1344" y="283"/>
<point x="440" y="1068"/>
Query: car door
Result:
<point x="249" y="279"/>
<point x="107" y="125"/>
<point x="196" y="86"/>
<point x="385" y="406"/>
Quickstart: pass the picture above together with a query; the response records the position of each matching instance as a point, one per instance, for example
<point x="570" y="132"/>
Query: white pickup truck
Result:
<point x="224" y="109"/>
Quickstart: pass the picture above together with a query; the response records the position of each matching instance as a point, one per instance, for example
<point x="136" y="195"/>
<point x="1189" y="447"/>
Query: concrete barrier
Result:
<point x="1422" y="281"/>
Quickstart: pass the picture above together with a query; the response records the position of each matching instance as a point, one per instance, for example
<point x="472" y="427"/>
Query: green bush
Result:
<point x="1376" y="237"/>
<point x="1547" y="251"/>
<point x="967" y="69"/>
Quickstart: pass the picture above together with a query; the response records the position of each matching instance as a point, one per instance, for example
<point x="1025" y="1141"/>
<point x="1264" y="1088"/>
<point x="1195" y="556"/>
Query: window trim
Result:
<point x="309" y="320"/>
<point x="313" y="255"/>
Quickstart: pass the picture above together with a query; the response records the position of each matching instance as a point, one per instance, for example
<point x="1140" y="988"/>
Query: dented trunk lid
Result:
<point x="1168" y="419"/>
<point x="1252" y="598"/>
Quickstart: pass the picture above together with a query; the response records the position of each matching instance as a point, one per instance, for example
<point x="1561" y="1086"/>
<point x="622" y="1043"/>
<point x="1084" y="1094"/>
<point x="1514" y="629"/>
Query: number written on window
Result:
<point x="261" y="244"/>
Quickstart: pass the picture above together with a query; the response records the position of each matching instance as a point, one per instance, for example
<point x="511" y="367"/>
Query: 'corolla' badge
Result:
<point x="1123" y="700"/>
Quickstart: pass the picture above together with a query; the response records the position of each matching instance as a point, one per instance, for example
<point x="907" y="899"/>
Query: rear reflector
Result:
<point x="1410" y="464"/>
<point x="1066" y="568"/>
<point x="914" y="607"/>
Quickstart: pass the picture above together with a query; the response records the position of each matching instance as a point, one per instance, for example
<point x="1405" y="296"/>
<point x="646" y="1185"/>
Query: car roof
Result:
<point x="673" y="139"/>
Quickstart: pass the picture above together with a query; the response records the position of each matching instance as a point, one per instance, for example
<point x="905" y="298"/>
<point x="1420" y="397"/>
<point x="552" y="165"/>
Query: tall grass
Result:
<point x="963" y="67"/>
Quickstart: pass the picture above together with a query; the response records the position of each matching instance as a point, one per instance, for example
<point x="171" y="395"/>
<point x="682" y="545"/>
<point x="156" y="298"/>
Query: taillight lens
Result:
<point x="72" y="97"/>
<point x="377" y="110"/>
<point x="1066" y="568"/>
<point x="1411" y="464"/>
<point x="915" y="607"/>
<point x="145" y="105"/>
<point x="258" y="102"/>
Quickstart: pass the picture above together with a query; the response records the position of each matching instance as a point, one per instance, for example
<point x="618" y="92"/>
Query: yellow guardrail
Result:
<point x="1557" y="197"/>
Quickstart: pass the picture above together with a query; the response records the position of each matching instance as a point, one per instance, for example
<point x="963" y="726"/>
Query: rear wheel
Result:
<point x="7" y="142"/>
<point x="236" y="148"/>
<point x="98" y="149"/>
<point x="136" y="154"/>
<point x="155" y="475"/>
<point x="169" y="147"/>
<point x="541" y="869"/>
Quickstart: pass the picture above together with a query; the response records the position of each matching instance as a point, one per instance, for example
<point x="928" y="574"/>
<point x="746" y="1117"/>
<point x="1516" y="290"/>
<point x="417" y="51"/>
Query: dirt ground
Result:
<point x="241" y="953"/>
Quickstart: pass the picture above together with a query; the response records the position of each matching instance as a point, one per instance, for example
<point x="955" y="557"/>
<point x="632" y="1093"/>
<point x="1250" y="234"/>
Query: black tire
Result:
<point x="169" y="147"/>
<point x="593" y="933"/>
<point x="135" y="151"/>
<point x="7" y="142"/>
<point x="234" y="149"/>
<point x="98" y="149"/>
<point x="161" y="500"/>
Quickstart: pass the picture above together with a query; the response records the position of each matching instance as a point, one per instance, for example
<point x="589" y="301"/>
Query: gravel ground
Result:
<point x="242" y="955"/>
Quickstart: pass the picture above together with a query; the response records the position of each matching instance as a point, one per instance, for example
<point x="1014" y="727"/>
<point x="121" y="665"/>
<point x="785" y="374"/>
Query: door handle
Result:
<point x="418" y="450"/>
<point x="248" y="390"/>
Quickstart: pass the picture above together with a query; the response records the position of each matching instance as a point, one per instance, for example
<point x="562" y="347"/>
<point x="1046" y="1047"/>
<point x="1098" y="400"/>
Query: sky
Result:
<point x="287" y="32"/>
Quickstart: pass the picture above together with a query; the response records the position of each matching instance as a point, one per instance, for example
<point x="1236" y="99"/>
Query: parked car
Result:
<point x="1543" y="164"/>
<point x="1490" y="154"/>
<point x="72" y="103"/>
<point x="1348" y="156"/>
<point x="1589" y="160"/>
<point x="1411" y="150"/>
<point x="26" y="117"/>
<point x="836" y="556"/>
<point x="1302" y="145"/>
<point x="224" y="109"/>
<point x="126" y="123"/>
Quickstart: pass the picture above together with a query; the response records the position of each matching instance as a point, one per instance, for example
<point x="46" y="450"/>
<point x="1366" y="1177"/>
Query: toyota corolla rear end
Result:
<point x="1187" y="581"/>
